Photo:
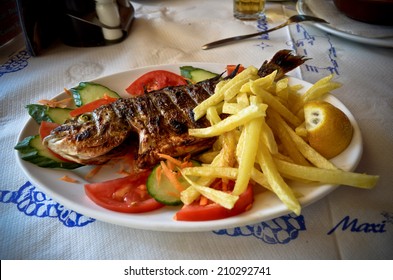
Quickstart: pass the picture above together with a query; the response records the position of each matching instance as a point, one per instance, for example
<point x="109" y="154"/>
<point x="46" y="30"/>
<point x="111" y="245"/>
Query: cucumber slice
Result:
<point x="33" y="151"/>
<point x="87" y="92"/>
<point x="163" y="191"/>
<point x="45" y="113"/>
<point x="196" y="74"/>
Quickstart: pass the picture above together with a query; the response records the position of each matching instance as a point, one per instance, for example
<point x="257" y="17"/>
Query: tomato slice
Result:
<point x="127" y="195"/>
<point x="232" y="67"/>
<point x="213" y="211"/>
<point x="91" y="106"/>
<point x="44" y="130"/>
<point x="155" y="80"/>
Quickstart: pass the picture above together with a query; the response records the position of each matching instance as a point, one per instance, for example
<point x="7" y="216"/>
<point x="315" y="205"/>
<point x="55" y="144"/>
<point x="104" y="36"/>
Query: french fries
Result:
<point x="276" y="181"/>
<point x="306" y="150"/>
<point x="316" y="91"/>
<point x="226" y="200"/>
<point x="252" y="131"/>
<point x="274" y="103"/>
<point x="243" y="117"/>
<point x="224" y="90"/>
<point x="262" y="141"/>
<point x="327" y="176"/>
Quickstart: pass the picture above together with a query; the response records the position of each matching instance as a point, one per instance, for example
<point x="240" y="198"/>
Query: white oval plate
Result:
<point x="266" y="205"/>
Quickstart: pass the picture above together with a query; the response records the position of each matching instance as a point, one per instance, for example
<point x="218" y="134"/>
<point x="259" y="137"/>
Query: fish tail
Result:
<point x="283" y="61"/>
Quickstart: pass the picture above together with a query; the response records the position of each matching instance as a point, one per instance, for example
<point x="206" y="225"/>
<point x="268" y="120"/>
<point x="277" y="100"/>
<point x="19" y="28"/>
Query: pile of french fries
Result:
<point x="261" y="141"/>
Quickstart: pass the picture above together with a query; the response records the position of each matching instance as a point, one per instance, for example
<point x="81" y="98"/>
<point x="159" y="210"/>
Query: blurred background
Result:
<point x="11" y="37"/>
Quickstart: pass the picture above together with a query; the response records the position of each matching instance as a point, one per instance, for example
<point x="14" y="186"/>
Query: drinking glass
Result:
<point x="248" y="9"/>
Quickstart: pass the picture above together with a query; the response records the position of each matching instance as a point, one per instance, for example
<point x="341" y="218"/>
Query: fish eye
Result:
<point x="84" y="118"/>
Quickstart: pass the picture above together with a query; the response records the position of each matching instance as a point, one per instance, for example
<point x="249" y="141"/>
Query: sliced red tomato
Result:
<point x="44" y="130"/>
<point x="155" y="80"/>
<point x="214" y="211"/>
<point x="232" y="67"/>
<point x="91" y="106"/>
<point x="127" y="195"/>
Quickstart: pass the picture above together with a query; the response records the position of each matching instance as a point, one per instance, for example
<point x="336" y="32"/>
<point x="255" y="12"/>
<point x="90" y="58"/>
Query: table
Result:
<point x="349" y="223"/>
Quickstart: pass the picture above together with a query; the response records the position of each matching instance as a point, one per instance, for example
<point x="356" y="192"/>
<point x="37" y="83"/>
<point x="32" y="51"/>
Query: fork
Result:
<point x="292" y="19"/>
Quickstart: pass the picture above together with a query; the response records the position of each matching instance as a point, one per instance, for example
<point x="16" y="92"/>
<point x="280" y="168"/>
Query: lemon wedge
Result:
<point x="329" y="131"/>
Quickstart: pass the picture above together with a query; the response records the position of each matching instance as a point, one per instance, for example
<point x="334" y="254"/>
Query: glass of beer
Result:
<point x="248" y="9"/>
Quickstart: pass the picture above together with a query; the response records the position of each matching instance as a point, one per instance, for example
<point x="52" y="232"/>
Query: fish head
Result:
<point x="89" y="137"/>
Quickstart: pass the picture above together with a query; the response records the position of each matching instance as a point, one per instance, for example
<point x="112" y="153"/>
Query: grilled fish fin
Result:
<point x="283" y="61"/>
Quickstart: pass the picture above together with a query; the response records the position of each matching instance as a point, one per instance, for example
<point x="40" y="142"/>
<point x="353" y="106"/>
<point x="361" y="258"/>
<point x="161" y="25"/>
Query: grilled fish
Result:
<point x="156" y="122"/>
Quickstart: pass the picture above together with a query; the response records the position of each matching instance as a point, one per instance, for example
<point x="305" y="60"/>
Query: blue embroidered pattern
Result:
<point x="308" y="40"/>
<point x="15" y="63"/>
<point x="262" y="25"/>
<point x="388" y="216"/>
<point x="277" y="231"/>
<point x="33" y="202"/>
<point x="303" y="42"/>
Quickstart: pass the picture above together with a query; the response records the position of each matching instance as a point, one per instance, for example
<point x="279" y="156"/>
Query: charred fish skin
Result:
<point x="162" y="121"/>
<point x="88" y="137"/>
<point x="174" y="106"/>
<point x="159" y="119"/>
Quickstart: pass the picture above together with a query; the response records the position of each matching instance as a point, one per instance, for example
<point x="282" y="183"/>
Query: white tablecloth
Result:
<point x="349" y="223"/>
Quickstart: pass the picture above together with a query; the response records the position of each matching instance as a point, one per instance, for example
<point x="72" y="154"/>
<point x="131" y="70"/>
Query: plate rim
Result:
<point x="100" y="214"/>
<point x="303" y="9"/>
